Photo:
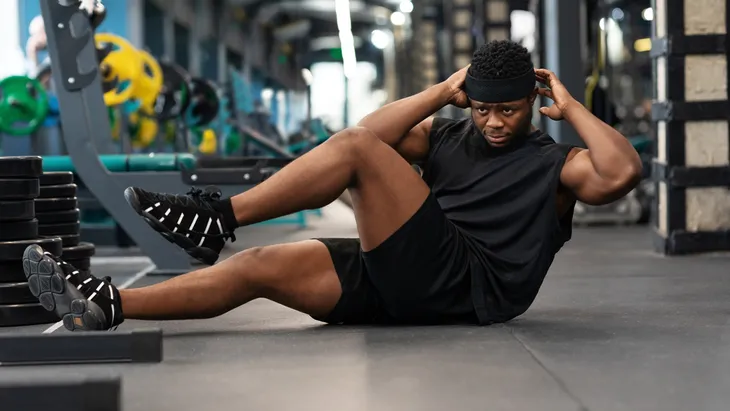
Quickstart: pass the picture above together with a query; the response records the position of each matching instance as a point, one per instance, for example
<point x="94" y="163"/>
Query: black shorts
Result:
<point x="419" y="275"/>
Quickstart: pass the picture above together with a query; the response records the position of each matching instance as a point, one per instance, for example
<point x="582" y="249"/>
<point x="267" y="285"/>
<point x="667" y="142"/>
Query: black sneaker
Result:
<point x="88" y="304"/>
<point x="71" y="274"/>
<point x="192" y="221"/>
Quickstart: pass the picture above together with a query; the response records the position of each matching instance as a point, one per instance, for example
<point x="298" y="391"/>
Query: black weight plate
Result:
<point x="12" y="272"/>
<point x="174" y="97"/>
<point x="16" y="293"/>
<point x="83" y="264"/>
<point x="79" y="252"/>
<point x="62" y="191"/>
<point x="19" y="189"/>
<point x="19" y="230"/>
<point x="17" y="210"/>
<point x="21" y="167"/>
<point x="204" y="101"/>
<point x="25" y="314"/>
<point x="57" y="217"/>
<point x="13" y="250"/>
<point x="49" y="205"/>
<point x="59" y="229"/>
<point x="56" y="178"/>
<point x="70" y="240"/>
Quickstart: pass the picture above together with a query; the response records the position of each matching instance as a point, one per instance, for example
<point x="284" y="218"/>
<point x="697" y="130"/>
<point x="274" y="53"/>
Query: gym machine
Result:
<point x="86" y="125"/>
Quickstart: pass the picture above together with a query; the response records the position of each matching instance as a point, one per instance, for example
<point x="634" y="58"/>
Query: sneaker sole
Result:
<point x="202" y="254"/>
<point x="48" y="284"/>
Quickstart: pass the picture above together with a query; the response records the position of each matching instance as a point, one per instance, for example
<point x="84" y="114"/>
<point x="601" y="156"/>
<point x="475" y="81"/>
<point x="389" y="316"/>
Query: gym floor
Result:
<point x="615" y="327"/>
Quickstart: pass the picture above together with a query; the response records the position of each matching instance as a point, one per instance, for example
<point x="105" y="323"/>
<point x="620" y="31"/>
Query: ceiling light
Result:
<point x="398" y="18"/>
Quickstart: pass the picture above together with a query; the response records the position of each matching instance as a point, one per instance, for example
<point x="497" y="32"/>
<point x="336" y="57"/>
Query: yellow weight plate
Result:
<point x="142" y="130"/>
<point x="147" y="132"/>
<point x="149" y="84"/>
<point x="209" y="145"/>
<point x="123" y="64"/>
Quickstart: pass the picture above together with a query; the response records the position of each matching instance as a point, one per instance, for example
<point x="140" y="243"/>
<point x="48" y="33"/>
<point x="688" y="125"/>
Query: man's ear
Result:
<point x="533" y="96"/>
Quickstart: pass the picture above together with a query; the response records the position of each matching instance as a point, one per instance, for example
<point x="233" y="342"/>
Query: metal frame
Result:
<point x="86" y="126"/>
<point x="675" y="111"/>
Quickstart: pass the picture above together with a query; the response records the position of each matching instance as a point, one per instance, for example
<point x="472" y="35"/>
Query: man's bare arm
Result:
<point x="402" y="123"/>
<point x="610" y="168"/>
<point x="415" y="145"/>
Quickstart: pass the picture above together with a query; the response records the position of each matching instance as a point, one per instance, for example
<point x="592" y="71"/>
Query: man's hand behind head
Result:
<point x="455" y="83"/>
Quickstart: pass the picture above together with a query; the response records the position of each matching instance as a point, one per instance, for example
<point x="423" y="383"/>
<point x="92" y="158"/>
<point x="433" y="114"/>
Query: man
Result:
<point x="469" y="242"/>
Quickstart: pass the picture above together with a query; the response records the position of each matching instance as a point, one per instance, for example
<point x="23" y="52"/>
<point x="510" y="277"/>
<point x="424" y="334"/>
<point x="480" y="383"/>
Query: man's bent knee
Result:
<point x="299" y="275"/>
<point x="251" y="268"/>
<point x="359" y="140"/>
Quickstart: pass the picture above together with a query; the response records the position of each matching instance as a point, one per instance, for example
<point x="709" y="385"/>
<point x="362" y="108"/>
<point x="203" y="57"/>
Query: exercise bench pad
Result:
<point x="121" y="163"/>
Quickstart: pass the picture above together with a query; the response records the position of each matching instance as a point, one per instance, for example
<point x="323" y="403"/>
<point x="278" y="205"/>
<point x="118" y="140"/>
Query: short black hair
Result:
<point x="500" y="59"/>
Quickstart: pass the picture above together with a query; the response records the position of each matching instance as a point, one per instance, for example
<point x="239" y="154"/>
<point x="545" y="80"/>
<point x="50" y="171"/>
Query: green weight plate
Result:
<point x="174" y="97"/>
<point x="59" y="191"/>
<point x="56" y="217"/>
<point x="49" y="205"/>
<point x="82" y="264"/>
<point x="17" y="210"/>
<point x="70" y="240"/>
<point x="79" y="252"/>
<point x="21" y="167"/>
<point x="59" y="229"/>
<point x="19" y="230"/>
<point x="56" y="178"/>
<point x="16" y="293"/>
<point x="13" y="250"/>
<point x="23" y="105"/>
<point x="12" y="272"/>
<point x="19" y="189"/>
<point x="14" y="315"/>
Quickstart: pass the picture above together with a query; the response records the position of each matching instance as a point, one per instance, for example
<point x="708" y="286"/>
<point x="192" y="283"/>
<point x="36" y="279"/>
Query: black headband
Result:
<point x="502" y="90"/>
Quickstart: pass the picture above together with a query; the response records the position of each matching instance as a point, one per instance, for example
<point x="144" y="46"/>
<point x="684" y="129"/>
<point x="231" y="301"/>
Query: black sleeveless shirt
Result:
<point x="504" y="202"/>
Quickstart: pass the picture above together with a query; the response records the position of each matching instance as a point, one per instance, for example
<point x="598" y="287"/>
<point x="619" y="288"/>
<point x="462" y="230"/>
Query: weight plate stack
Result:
<point x="57" y="208"/>
<point x="19" y="188"/>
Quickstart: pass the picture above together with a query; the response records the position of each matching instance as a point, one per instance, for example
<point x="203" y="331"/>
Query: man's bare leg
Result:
<point x="385" y="190"/>
<point x="386" y="193"/>
<point x="298" y="275"/>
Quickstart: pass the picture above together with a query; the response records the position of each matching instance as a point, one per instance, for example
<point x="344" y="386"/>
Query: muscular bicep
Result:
<point x="414" y="146"/>
<point x="581" y="178"/>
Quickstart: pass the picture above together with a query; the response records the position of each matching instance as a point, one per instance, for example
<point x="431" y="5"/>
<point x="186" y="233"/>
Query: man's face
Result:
<point x="500" y="123"/>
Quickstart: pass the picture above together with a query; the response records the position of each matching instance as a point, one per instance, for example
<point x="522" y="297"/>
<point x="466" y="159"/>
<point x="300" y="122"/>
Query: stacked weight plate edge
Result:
<point x="57" y="208"/>
<point x="56" y="178"/>
<point x="19" y="186"/>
